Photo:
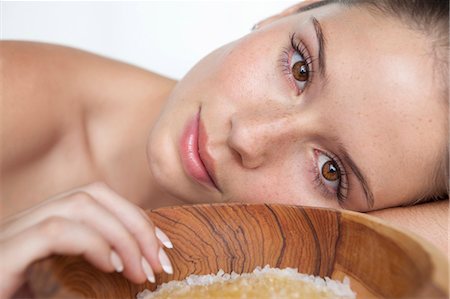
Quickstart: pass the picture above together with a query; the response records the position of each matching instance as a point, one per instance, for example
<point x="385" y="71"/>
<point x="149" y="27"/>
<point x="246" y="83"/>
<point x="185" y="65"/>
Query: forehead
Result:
<point x="377" y="60"/>
<point x="381" y="95"/>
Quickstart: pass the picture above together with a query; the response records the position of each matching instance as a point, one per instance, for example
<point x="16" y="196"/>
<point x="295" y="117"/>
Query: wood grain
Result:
<point x="381" y="261"/>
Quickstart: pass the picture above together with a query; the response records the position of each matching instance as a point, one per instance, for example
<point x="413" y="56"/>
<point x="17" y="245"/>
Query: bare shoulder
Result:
<point x="46" y="89"/>
<point x="30" y="102"/>
<point x="429" y="220"/>
<point x="52" y="98"/>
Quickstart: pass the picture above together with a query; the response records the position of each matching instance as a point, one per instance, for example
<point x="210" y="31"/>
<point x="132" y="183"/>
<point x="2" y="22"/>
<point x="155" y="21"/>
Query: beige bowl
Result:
<point x="381" y="261"/>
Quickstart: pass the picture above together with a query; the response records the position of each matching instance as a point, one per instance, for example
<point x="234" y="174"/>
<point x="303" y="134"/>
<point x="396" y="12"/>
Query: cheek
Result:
<point x="292" y="183"/>
<point x="243" y="72"/>
<point x="240" y="74"/>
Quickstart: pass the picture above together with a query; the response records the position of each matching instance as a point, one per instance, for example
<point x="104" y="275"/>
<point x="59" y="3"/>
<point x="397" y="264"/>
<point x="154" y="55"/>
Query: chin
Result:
<point x="165" y="166"/>
<point x="181" y="187"/>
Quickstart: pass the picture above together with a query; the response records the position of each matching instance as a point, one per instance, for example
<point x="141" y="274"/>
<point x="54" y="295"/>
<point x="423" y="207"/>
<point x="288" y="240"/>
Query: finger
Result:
<point x="80" y="206"/>
<point x="57" y="235"/>
<point x="137" y="224"/>
<point x="110" y="227"/>
<point x="162" y="237"/>
<point x="48" y="237"/>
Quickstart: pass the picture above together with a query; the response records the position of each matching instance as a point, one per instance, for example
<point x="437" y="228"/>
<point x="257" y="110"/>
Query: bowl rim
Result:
<point x="436" y="259"/>
<point x="439" y="262"/>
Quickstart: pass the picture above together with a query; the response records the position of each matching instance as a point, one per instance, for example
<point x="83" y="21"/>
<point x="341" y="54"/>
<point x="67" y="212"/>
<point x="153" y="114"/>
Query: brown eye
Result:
<point x="300" y="71"/>
<point x="330" y="171"/>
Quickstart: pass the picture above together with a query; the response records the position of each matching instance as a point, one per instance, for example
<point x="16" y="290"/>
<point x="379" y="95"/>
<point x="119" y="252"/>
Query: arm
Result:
<point x="48" y="90"/>
<point x="35" y="109"/>
<point x="93" y="221"/>
<point x="59" y="102"/>
<point x="429" y="220"/>
<point x="47" y="93"/>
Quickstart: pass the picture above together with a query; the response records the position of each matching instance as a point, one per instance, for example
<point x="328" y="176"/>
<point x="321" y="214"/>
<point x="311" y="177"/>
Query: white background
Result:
<point x="167" y="37"/>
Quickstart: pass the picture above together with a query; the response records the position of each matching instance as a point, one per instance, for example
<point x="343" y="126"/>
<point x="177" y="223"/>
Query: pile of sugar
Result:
<point x="262" y="283"/>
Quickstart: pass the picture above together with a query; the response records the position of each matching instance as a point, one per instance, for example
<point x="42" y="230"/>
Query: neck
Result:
<point x="121" y="150"/>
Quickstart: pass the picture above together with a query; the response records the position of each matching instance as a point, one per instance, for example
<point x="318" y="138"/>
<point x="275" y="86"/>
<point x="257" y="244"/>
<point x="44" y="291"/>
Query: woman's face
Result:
<point x="329" y="107"/>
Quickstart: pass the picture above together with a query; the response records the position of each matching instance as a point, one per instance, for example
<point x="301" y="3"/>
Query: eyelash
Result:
<point x="300" y="48"/>
<point x="343" y="187"/>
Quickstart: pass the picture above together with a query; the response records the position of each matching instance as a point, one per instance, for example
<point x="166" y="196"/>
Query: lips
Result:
<point x="194" y="157"/>
<point x="205" y="157"/>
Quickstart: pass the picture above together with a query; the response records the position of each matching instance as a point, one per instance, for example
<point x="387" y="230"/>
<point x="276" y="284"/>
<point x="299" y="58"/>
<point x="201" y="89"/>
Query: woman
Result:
<point x="329" y="103"/>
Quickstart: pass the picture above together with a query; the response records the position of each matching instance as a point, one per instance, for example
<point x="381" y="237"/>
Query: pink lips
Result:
<point x="189" y="151"/>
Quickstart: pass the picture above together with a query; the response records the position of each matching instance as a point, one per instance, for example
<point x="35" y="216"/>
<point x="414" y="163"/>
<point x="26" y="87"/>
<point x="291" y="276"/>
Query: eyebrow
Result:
<point x="314" y="5"/>
<point x="321" y="41"/>
<point x="347" y="159"/>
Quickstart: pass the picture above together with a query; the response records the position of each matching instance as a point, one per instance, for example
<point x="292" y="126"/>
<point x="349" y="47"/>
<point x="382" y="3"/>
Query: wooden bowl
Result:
<point x="381" y="261"/>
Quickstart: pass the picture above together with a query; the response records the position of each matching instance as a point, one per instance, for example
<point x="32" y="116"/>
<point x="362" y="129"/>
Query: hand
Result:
<point x="93" y="221"/>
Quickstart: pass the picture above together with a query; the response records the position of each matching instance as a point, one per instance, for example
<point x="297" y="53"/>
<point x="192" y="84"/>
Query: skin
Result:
<point x="377" y="103"/>
<point x="94" y="131"/>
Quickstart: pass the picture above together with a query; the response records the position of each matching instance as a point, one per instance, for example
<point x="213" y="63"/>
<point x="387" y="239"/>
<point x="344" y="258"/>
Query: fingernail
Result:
<point x="147" y="270"/>
<point x="163" y="238"/>
<point x="116" y="261"/>
<point x="165" y="262"/>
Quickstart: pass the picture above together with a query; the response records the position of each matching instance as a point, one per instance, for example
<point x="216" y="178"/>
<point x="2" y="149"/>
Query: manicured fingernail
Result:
<point x="163" y="238"/>
<point x="116" y="261"/>
<point x="147" y="270"/>
<point x="165" y="262"/>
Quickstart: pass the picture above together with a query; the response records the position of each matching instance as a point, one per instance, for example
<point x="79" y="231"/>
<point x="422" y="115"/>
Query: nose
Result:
<point x="256" y="139"/>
